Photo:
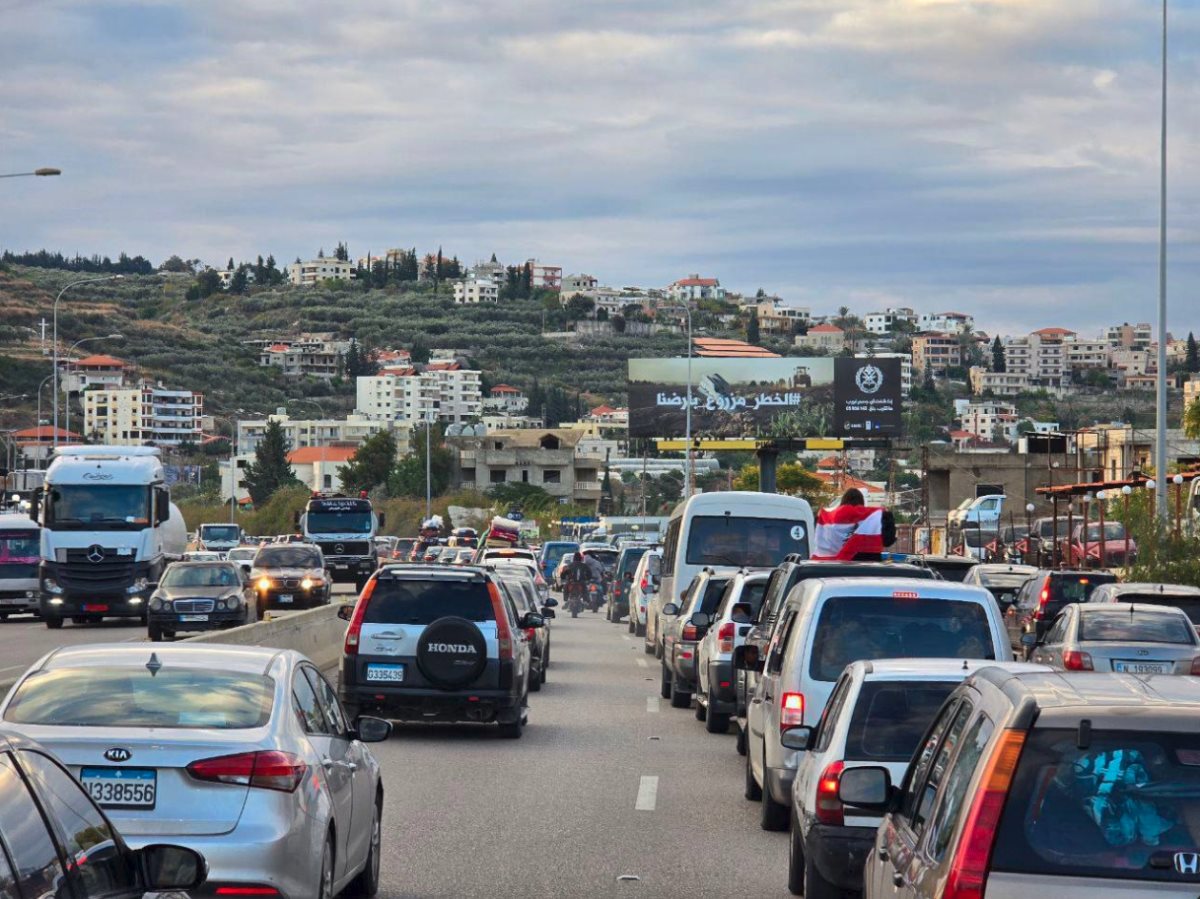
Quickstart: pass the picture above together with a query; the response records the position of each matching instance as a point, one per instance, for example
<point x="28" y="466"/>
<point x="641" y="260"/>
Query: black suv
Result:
<point x="622" y="581"/>
<point x="433" y="643"/>
<point x="1045" y="595"/>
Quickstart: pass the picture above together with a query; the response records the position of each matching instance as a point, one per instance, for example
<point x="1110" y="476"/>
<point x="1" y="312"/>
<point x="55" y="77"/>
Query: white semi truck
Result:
<point x="345" y="528"/>
<point x="109" y="529"/>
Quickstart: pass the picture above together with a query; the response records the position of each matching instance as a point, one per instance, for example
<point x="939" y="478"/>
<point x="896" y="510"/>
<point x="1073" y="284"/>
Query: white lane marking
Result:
<point x="626" y="637"/>
<point x="647" y="796"/>
<point x="642" y="663"/>
<point x="652" y="704"/>
<point x="14" y="667"/>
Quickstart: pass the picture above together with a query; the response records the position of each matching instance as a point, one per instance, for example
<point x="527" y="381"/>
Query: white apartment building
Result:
<point x="1131" y="362"/>
<point x="544" y="277"/>
<point x="1130" y="337"/>
<point x="1084" y="354"/>
<point x="1041" y="357"/>
<point x="316" y="270"/>
<point x="573" y="284"/>
<point x="144" y="414"/>
<point x="990" y="421"/>
<point x="945" y="322"/>
<point x="352" y="430"/>
<point x="906" y="368"/>
<point x="443" y="391"/>
<point x="694" y="288"/>
<point x="471" y="291"/>
<point x="506" y="399"/>
<point x="885" y="322"/>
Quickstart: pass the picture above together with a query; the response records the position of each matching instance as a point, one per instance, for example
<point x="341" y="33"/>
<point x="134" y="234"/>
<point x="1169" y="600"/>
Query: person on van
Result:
<point x="852" y="531"/>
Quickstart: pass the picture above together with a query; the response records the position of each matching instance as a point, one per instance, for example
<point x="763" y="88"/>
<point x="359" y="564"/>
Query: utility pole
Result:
<point x="1160" y="449"/>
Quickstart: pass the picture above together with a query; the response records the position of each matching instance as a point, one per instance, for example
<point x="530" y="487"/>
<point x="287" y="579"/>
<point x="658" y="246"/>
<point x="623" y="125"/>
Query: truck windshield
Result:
<point x="339" y="522"/>
<point x="97" y="506"/>
<point x="220" y="533"/>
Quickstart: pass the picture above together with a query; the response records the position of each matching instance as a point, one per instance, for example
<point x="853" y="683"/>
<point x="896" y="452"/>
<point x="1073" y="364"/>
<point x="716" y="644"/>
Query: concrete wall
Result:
<point x="318" y="633"/>
<point x="953" y="477"/>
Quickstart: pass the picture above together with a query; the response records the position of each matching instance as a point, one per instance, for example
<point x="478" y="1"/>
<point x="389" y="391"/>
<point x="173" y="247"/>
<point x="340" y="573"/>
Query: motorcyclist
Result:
<point x="576" y="575"/>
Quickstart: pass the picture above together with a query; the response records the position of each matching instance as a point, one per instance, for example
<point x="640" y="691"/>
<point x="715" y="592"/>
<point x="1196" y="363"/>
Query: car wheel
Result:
<point x="740" y="745"/>
<point x="630" y="628"/>
<point x="155" y="633"/>
<point x="753" y="791"/>
<point x="512" y="730"/>
<point x="366" y="884"/>
<point x="639" y="629"/>
<point x="795" y="858"/>
<point x="53" y="623"/>
<point x="679" y="699"/>
<point x="535" y="680"/>
<point x="664" y="683"/>
<point x="716" y="722"/>
<point x="774" y="816"/>
<point x="658" y="650"/>
<point x="701" y="711"/>
<point x="816" y="886"/>
<point x="325" y="886"/>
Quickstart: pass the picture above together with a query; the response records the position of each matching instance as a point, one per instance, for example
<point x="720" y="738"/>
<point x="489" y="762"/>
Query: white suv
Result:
<point x="716" y="684"/>
<point x="876" y="715"/>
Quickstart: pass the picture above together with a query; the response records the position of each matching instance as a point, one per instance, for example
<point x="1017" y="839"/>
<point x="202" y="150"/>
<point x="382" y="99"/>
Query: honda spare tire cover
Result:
<point x="452" y="652"/>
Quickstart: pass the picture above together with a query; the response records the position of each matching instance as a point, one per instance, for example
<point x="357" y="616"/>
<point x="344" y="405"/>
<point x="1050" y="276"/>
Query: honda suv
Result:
<point x="433" y="643"/>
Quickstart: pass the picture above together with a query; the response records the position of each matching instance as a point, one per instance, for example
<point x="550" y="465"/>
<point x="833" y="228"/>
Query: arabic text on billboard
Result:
<point x="867" y="397"/>
<point x="730" y="397"/>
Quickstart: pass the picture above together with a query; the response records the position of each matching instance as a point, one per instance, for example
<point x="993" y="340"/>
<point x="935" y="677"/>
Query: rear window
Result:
<point x="1069" y="588"/>
<point x="402" y="601"/>
<point x="630" y="558"/>
<point x="1120" y="626"/>
<point x="1189" y="604"/>
<point x="287" y="557"/>
<point x="853" y="628"/>
<point x="1121" y="807"/>
<point x="890" y="718"/>
<point x="950" y="571"/>
<point x="735" y="541"/>
<point x="174" y="697"/>
<point x="713" y="591"/>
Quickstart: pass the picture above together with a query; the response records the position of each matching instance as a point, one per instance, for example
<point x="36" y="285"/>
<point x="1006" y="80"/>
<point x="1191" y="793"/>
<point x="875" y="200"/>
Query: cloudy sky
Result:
<point x="998" y="157"/>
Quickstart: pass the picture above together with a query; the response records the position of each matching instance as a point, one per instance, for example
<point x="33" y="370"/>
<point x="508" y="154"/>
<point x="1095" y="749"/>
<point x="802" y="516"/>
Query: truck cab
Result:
<point x="219" y="538"/>
<point x="345" y="528"/>
<point x="20" y="546"/>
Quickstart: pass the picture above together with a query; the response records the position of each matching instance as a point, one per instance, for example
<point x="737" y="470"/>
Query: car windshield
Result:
<point x="353" y="522"/>
<point x="104" y="506"/>
<point x="242" y="553"/>
<point x="891" y="717"/>
<point x="201" y="576"/>
<point x="1119" y="804"/>
<point x="171" y="696"/>
<point x="409" y="601"/>
<point x="287" y="557"/>
<point x="1112" y="530"/>
<point x="851" y="628"/>
<point x="731" y="540"/>
<point x="1117" y="625"/>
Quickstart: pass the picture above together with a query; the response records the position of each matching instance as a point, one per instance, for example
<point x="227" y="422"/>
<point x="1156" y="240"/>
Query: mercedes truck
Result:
<point x="108" y="531"/>
<point x="345" y="528"/>
<point x="219" y="538"/>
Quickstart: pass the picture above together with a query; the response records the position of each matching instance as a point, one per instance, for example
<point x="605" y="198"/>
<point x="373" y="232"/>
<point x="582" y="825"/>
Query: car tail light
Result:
<point x="241" y="890"/>
<point x="643" y="584"/>
<point x="1196" y="666"/>
<point x="530" y="633"/>
<point x="269" y="769"/>
<point x="969" y="869"/>
<point x="690" y="633"/>
<point x="356" y="620"/>
<point x="791" y="710"/>
<point x="1043" y="601"/>
<point x="829" y="807"/>
<point x="1074" y="660"/>
<point x="725" y="637"/>
<point x="503" y="634"/>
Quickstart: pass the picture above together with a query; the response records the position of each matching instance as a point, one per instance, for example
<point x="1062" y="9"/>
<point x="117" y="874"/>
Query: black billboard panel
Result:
<point x="867" y="397"/>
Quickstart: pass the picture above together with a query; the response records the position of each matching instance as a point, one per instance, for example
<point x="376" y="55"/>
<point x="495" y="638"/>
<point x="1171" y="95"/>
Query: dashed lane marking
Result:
<point x="652" y="704"/>
<point x="647" y="796"/>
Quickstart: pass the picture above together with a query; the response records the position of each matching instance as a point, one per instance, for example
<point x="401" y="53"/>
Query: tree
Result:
<point x="791" y="478"/>
<point x="1191" y="420"/>
<point x="371" y="465"/>
<point x="342" y="252"/>
<point x="408" y="476"/>
<point x="1193" y="354"/>
<point x="237" y="284"/>
<point x="419" y="350"/>
<point x="537" y="400"/>
<point x="270" y="469"/>
<point x="752" y="335"/>
<point x="230" y="267"/>
<point x="999" y="363"/>
<point x="175" y="264"/>
<point x="579" y="306"/>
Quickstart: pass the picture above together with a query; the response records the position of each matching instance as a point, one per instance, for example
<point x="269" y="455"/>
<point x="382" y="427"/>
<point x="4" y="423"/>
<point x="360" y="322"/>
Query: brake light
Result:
<point x="725" y="637"/>
<point x="356" y="620"/>
<point x="1074" y="660"/>
<point x="616" y="590"/>
<point x="969" y="870"/>
<point x="530" y="632"/>
<point x="503" y="634"/>
<point x="1196" y="666"/>
<point x="1043" y="601"/>
<point x="269" y="769"/>
<point x="690" y="633"/>
<point x="791" y="710"/>
<point x="247" y="891"/>
<point x="829" y="807"/>
<point x="643" y="584"/>
<point x="905" y="594"/>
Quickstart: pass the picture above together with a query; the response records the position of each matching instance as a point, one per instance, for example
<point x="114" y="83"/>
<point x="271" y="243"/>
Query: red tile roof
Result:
<point x="1053" y="332"/>
<point x="100" y="362"/>
<point x="696" y="282"/>
<point x="603" y="410"/>
<point x="504" y="388"/>
<point x="306" y="455"/>
<point x="45" y="433"/>
<point x="719" y="348"/>
<point x="443" y="366"/>
<point x="825" y="329"/>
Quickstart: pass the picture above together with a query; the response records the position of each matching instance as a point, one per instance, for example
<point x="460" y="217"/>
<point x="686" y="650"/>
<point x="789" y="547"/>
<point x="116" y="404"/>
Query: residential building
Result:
<point x="1115" y="451"/>
<point x="573" y="284"/>
<point x="471" y="291"/>
<point x="94" y="371"/>
<point x="314" y="271"/>
<point x="1084" y="354"/>
<point x="990" y="421"/>
<point x="723" y="348"/>
<point x="934" y="352"/>
<point x="1141" y="382"/>
<point x="886" y="322"/>
<point x="316" y="357"/>
<point x="906" y="368"/>
<point x="1130" y="337"/>
<point x="317" y="466"/>
<point x="506" y="399"/>
<point x="779" y="320"/>
<point x="1041" y="357"/>
<point x="544" y="277"/>
<point x="694" y="288"/>
<point x="143" y="414"/>
<point x="443" y="391"/>
<point x="829" y="339"/>
<point x="608" y="416"/>
<point x="490" y="271"/>
<point x="946" y="322"/>
<point x="1130" y="362"/>
<point x="1191" y="390"/>
<point x="507" y="421"/>
<point x="36" y="444"/>
<point x="548" y="458"/>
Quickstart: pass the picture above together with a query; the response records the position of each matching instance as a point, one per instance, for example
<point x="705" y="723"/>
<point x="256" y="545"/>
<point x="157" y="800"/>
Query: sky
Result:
<point x="995" y="157"/>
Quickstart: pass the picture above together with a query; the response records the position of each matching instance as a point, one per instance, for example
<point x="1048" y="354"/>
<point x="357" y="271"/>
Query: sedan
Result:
<point x="1130" y="639"/>
<point x="200" y="596"/>
<point x="240" y="753"/>
<point x="291" y="576"/>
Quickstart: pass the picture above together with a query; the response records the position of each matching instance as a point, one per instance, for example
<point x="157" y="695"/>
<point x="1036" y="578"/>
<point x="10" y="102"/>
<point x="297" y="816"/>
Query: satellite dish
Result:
<point x="454" y="430"/>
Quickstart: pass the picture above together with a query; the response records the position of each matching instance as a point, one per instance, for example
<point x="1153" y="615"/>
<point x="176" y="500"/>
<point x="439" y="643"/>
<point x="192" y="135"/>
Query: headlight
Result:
<point x="156" y="603"/>
<point x="221" y="605"/>
<point x="309" y="582"/>
<point x="50" y="585"/>
<point x="264" y="583"/>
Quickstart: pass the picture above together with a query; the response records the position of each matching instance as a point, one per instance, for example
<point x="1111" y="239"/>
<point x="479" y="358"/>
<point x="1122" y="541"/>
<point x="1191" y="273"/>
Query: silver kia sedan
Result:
<point x="1126" y="638"/>
<point x="242" y="753"/>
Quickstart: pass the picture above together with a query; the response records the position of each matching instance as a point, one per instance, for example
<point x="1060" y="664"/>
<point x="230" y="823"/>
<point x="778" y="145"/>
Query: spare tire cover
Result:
<point x="452" y="652"/>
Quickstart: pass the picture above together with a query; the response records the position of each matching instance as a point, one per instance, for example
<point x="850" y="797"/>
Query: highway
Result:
<point x="607" y="782"/>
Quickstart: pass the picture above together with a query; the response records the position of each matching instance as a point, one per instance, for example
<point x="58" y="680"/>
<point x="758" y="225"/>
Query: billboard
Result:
<point x="867" y="395"/>
<point x="731" y="397"/>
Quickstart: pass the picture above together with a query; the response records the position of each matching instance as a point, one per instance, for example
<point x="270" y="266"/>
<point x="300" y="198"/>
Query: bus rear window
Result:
<point x="736" y="541"/>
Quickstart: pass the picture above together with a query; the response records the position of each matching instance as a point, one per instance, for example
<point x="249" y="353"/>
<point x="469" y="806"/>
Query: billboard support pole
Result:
<point x="768" y="457"/>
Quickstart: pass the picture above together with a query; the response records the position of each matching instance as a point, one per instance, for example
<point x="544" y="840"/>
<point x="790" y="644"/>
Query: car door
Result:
<point x="762" y="715"/>
<point x="33" y="849"/>
<point x="331" y="751"/>
<point x="813" y="763"/>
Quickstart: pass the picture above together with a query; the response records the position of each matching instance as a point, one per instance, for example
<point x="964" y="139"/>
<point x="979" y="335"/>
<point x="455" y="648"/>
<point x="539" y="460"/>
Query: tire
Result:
<point x="658" y="650"/>
<point x="679" y="699"/>
<point x="753" y="791"/>
<point x="640" y="630"/>
<point x="716" y="722"/>
<point x="574" y="612"/>
<point x="155" y="632"/>
<point x="513" y="729"/>
<point x="325" y="884"/>
<point x="535" y="681"/>
<point x="774" y="816"/>
<point x="816" y="886"/>
<point x="741" y="742"/>
<point x="53" y="623"/>
<point x="630" y="628"/>
<point x="795" y="859"/>
<point x="366" y="883"/>
<point x="701" y="711"/>
<point x="664" y="683"/>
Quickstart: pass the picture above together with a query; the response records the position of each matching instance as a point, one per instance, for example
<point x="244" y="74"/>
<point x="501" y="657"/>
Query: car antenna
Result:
<point x="966" y="667"/>
<point x="154" y="664"/>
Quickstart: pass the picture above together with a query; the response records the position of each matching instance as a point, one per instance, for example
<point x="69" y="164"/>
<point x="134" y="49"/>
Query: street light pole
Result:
<point x="1160" y="450"/>
<point x="38" y="424"/>
<point x="428" y="468"/>
<point x="69" y="352"/>
<point x="56" y="300"/>
<point x="687" y="428"/>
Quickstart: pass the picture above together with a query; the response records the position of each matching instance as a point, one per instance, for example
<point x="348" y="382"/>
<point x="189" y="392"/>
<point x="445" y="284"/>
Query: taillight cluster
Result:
<point x="791" y="710"/>
<point x="354" y="631"/>
<point x="269" y="769"/>
<point x="725" y="637"/>
<point x="1074" y="660"/>
<point x="829" y="807"/>
<point x="1043" y="601"/>
<point x="503" y="634"/>
<point x="690" y="633"/>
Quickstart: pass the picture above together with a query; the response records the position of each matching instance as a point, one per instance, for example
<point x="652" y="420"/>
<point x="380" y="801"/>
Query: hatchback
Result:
<point x="521" y="588"/>
<point x="684" y="625"/>
<point x="716" y="687"/>
<point x="1133" y="639"/>
<point x="1044" y="595"/>
<point x="241" y="753"/>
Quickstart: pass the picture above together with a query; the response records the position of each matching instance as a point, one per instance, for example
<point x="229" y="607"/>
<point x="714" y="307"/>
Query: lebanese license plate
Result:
<point x="393" y="673"/>
<point x="285" y="597"/>
<point x="94" y="607"/>
<point x="340" y="565"/>
<point x="121" y="787"/>
<point x="193" y="618"/>
<point x="1143" y="667"/>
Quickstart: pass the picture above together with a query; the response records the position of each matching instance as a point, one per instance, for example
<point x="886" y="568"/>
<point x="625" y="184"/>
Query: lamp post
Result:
<point x="233" y="429"/>
<point x="687" y="428"/>
<point x="1160" y="449"/>
<point x="1029" y="507"/>
<point x="36" y="173"/>
<point x="1087" y="521"/>
<point x="69" y="352"/>
<point x="56" y="301"/>
<point x="1178" y="482"/>
<point x="38" y="424"/>
<point x="1102" y="495"/>
<point x="1126" y="492"/>
<point x="429" y="419"/>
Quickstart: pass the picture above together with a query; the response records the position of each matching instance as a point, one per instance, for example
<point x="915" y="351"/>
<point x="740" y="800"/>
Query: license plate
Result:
<point x="121" y="787"/>
<point x="1143" y="667"/>
<point x="285" y="597"/>
<point x="94" y="607"/>
<point x="340" y="565"/>
<point x="193" y="618"/>
<point x="394" y="673"/>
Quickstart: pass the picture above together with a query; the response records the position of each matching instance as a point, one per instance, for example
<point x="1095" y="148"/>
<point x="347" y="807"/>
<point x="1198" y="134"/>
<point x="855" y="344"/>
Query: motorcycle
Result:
<point x="574" y="598"/>
<point x="595" y="596"/>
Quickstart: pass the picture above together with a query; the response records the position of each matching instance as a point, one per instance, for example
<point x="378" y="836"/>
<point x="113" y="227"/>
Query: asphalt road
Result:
<point x="608" y="780"/>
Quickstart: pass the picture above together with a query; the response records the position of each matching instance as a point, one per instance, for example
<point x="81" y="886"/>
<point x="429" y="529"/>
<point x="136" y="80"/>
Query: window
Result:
<point x="891" y="717"/>
<point x="670" y="545"/>
<point x="919" y="770"/>
<point x="329" y="702"/>
<point x="402" y="601"/>
<point x="833" y="709"/>
<point x="308" y="707"/>
<point x="738" y="541"/>
<point x="552" y="476"/>
<point x="8" y="879"/>
<point x="87" y="837"/>
<point x="778" y="646"/>
<point x="524" y="475"/>
<point x="497" y="475"/>
<point x="33" y="852"/>
<point x="1057" y="631"/>
<point x="954" y="795"/>
<point x="1118" y="625"/>
<point x="927" y="792"/>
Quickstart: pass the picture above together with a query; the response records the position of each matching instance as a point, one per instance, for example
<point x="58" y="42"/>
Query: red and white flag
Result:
<point x="846" y="531"/>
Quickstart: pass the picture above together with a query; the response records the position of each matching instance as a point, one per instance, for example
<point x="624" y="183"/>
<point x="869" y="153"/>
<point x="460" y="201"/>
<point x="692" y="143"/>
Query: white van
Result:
<point x="20" y="555"/>
<point x="736" y="529"/>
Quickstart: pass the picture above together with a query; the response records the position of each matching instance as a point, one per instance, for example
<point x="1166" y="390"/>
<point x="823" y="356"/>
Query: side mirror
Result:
<point x="742" y="612"/>
<point x="868" y="788"/>
<point x="162" y="505"/>
<point x="670" y="609"/>
<point x="346" y="611"/>
<point x="369" y="729"/>
<point x="550" y="603"/>
<point x="701" y="619"/>
<point x="800" y="738"/>
<point x="166" y="868"/>
<point x="1029" y="640"/>
<point x="747" y="658"/>
<point x="629" y="576"/>
<point x="383" y="519"/>
<point x="529" y="619"/>
<point x="547" y="612"/>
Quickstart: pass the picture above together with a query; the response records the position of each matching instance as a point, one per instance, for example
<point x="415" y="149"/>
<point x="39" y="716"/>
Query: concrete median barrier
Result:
<point x="318" y="633"/>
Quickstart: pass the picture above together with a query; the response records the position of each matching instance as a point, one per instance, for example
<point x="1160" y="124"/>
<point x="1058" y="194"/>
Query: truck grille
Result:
<point x="345" y="547"/>
<point x="104" y="572"/>
<point x="192" y="606"/>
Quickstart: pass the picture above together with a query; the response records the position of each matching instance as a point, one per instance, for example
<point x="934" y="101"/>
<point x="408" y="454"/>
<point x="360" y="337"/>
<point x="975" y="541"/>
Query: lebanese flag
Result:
<point x="846" y="531"/>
